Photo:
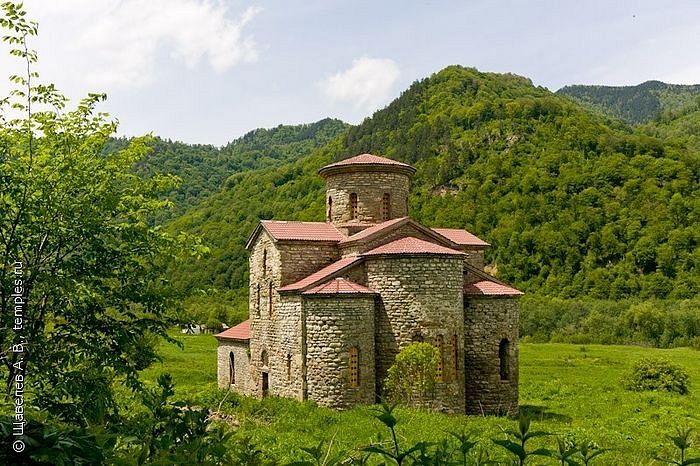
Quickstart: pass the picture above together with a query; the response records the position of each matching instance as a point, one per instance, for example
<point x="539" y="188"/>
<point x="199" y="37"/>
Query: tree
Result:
<point x="412" y="377"/>
<point x="82" y="292"/>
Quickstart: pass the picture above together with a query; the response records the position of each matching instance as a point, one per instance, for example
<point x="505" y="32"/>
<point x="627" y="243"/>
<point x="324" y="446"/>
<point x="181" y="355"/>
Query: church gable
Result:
<point x="392" y="230"/>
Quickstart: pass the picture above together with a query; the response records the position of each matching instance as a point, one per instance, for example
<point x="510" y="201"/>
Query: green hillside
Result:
<point x="572" y="206"/>
<point x="635" y="104"/>
<point x="204" y="168"/>
<point x="682" y="126"/>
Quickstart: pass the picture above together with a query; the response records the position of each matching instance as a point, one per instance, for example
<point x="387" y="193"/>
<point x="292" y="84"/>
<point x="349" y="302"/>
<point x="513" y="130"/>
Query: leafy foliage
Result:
<point x="170" y="432"/>
<point x="394" y="452"/>
<point x="682" y="441"/>
<point x="411" y="379"/>
<point x="656" y="375"/>
<point x="516" y="441"/>
<point x="76" y="248"/>
<point x="658" y="323"/>
<point x="83" y="298"/>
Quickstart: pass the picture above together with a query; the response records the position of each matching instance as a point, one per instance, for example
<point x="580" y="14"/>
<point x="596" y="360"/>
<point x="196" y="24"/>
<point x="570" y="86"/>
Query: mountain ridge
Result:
<point x="638" y="104"/>
<point x="573" y="204"/>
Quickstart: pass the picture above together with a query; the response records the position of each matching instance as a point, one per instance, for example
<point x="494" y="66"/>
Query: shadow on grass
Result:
<point x="542" y="413"/>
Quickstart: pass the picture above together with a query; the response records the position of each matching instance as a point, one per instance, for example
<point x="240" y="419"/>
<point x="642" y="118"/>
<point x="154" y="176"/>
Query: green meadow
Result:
<point x="570" y="390"/>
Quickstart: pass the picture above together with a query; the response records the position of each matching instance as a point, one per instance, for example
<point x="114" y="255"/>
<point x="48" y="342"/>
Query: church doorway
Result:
<point x="265" y="384"/>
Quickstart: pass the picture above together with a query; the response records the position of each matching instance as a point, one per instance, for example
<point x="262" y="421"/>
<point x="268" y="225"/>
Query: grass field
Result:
<point x="571" y="390"/>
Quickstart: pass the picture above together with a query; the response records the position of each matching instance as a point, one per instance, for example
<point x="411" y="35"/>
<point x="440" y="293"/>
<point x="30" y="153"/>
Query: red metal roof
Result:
<point x="339" y="286"/>
<point x="411" y="245"/>
<point x="462" y="237"/>
<point x="238" y="332"/>
<point x="489" y="288"/>
<point x="322" y="274"/>
<point x="304" y="231"/>
<point x="373" y="229"/>
<point x="367" y="159"/>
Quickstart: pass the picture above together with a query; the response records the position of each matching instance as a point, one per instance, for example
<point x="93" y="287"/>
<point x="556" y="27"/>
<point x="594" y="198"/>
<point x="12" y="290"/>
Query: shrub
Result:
<point x="412" y="377"/>
<point x="656" y="375"/>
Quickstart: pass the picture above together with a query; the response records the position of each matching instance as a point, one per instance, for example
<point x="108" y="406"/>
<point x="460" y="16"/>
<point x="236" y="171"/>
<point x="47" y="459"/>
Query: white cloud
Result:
<point x="116" y="44"/>
<point x="367" y="83"/>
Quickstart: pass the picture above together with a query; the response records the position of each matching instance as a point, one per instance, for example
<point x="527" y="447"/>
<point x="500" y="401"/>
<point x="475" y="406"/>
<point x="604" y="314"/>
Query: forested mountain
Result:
<point x="682" y="126"/>
<point x="204" y="168"/>
<point x="635" y="104"/>
<point x="572" y="206"/>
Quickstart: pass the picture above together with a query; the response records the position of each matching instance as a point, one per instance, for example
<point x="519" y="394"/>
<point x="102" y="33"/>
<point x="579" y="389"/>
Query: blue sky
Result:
<point x="209" y="71"/>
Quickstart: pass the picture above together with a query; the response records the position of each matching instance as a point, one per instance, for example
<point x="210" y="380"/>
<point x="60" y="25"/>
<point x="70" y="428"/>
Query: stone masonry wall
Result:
<point x="241" y="365"/>
<point x="334" y="324"/>
<point x="474" y="257"/>
<point x="285" y="349"/>
<point x="369" y="186"/>
<point x="263" y="331"/>
<point x="487" y="321"/>
<point x="300" y="259"/>
<point x="420" y="300"/>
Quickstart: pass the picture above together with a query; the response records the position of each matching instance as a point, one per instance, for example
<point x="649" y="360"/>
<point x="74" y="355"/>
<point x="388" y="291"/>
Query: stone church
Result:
<point x="332" y="303"/>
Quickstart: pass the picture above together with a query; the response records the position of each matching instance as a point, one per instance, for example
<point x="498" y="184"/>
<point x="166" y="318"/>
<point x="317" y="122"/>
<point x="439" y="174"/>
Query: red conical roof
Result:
<point x="368" y="160"/>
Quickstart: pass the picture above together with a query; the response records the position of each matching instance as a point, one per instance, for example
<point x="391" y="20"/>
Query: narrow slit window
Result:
<point x="353" y="206"/>
<point x="257" y="299"/>
<point x="269" y="299"/>
<point x="330" y="209"/>
<point x="354" y="367"/>
<point x="504" y="357"/>
<point x="441" y="358"/>
<point x="264" y="264"/>
<point x="231" y="368"/>
<point x="386" y="206"/>
<point x="289" y="367"/>
<point x="455" y="354"/>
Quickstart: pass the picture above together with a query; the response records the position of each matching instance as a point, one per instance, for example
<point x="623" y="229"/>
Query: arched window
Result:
<point x="289" y="367"/>
<point x="330" y="209"/>
<point x="263" y="358"/>
<point x="504" y="357"/>
<point x="441" y="358"/>
<point x="354" y="366"/>
<point x="353" y="206"/>
<point x="269" y="299"/>
<point x="231" y="368"/>
<point x="455" y="355"/>
<point x="264" y="264"/>
<point x="257" y="299"/>
<point x="386" y="206"/>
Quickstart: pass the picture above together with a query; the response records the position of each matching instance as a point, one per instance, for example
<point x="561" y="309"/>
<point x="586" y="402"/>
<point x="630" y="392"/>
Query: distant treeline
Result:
<point x="658" y="323"/>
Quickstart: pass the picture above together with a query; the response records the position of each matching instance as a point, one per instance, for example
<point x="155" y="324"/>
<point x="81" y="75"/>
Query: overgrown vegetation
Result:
<point x="83" y="298"/>
<point x="656" y="375"/>
<point x="658" y="323"/>
<point x="411" y="379"/>
<point x="571" y="391"/>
